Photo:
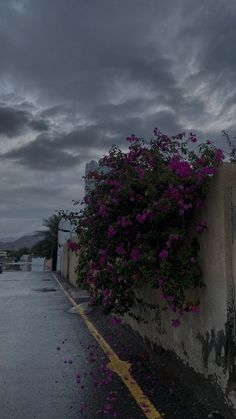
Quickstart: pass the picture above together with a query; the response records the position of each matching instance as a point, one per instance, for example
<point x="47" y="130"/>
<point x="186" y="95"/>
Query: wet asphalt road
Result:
<point x="44" y="345"/>
<point x="51" y="367"/>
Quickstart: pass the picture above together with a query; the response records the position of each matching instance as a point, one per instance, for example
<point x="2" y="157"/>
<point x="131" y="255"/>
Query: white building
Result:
<point x="3" y="254"/>
<point x="65" y="232"/>
<point x="91" y="166"/>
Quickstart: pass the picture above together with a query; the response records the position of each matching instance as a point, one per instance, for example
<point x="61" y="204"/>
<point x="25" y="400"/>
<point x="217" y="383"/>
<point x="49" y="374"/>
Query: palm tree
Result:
<point x="47" y="247"/>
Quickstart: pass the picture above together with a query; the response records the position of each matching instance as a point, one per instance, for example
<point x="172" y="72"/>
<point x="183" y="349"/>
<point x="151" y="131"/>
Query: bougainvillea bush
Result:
<point x="133" y="229"/>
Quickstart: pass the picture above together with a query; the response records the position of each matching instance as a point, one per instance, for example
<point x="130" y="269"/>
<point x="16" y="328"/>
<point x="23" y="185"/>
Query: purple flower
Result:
<point x="175" y="323"/>
<point x="219" y="156"/>
<point x="181" y="168"/>
<point x="115" y="201"/>
<point x="142" y="216"/>
<point x="131" y="138"/>
<point x="140" y="172"/>
<point x="170" y="298"/>
<point x="111" y="231"/>
<point x="205" y="171"/>
<point x="163" y="254"/>
<point x="194" y="309"/>
<point x="115" y="321"/>
<point x="103" y="211"/>
<point x="135" y="254"/>
<point x="192" y="137"/>
<point x="120" y="250"/>
<point x="124" y="222"/>
<point x="201" y="227"/>
<point x="181" y="311"/>
<point x="102" y="260"/>
<point x="86" y="199"/>
<point x="73" y="246"/>
<point x="106" y="294"/>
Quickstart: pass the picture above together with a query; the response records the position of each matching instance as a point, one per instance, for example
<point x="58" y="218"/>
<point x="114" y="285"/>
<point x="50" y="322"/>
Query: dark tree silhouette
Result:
<point x="47" y="247"/>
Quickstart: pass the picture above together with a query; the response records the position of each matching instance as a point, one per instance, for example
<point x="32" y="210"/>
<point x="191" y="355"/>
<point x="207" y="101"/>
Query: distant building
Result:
<point x="25" y="261"/>
<point x="37" y="264"/>
<point x="91" y="166"/>
<point x="3" y="254"/>
<point x="65" y="227"/>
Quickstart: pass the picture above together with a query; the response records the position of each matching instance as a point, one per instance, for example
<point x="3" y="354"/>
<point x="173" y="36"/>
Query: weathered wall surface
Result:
<point x="72" y="267"/>
<point x="69" y="264"/>
<point x="205" y="341"/>
<point x="65" y="232"/>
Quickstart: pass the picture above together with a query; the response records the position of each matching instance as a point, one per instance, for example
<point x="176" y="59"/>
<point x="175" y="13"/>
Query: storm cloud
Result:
<point x="77" y="77"/>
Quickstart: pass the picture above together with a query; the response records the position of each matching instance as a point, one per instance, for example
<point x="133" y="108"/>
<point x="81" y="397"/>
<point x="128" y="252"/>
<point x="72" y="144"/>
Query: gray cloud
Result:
<point x="84" y="76"/>
<point x="43" y="155"/>
<point x="14" y="122"/>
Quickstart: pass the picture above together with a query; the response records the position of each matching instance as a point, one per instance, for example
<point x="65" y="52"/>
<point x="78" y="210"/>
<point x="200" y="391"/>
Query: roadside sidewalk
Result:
<point x="151" y="370"/>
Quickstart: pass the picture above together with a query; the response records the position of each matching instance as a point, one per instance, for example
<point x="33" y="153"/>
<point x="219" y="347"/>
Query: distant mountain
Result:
<point x="7" y="239"/>
<point x="27" y="240"/>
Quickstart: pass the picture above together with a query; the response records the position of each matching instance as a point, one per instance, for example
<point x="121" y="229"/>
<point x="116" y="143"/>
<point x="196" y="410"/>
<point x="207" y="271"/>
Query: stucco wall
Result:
<point x="72" y="267"/>
<point x="205" y="341"/>
<point x="69" y="264"/>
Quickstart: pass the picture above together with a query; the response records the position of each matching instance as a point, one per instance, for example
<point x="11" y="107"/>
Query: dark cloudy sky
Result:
<point x="77" y="76"/>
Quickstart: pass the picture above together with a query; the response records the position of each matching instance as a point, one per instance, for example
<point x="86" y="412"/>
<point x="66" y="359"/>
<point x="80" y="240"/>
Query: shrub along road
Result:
<point x="59" y="363"/>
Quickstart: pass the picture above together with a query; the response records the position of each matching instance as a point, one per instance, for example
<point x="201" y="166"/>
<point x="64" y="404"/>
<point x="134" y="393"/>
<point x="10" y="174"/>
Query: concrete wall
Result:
<point x="205" y="341"/>
<point x="65" y="231"/>
<point x="38" y="264"/>
<point x="69" y="264"/>
<point x="72" y="267"/>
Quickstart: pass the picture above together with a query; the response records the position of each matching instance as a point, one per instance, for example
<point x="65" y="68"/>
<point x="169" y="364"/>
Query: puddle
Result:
<point x="45" y="289"/>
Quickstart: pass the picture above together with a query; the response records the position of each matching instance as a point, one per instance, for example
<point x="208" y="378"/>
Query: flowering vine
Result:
<point x="133" y="230"/>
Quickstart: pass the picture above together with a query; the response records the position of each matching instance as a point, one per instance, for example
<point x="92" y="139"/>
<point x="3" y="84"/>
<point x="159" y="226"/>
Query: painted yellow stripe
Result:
<point x="121" y="368"/>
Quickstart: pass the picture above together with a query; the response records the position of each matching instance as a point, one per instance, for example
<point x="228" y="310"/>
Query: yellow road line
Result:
<point x="121" y="368"/>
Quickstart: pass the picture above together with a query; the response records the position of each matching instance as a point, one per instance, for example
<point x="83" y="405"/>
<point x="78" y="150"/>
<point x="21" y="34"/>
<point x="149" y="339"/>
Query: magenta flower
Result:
<point x="135" y="254"/>
<point x="115" y="321"/>
<point x="181" y="168"/>
<point x="115" y="201"/>
<point x="140" y="172"/>
<point x="120" y="250"/>
<point x="200" y="160"/>
<point x="142" y="217"/>
<point x="102" y="260"/>
<point x="106" y="294"/>
<point x="170" y="298"/>
<point x="131" y="138"/>
<point x="219" y="156"/>
<point x="181" y="311"/>
<point x="163" y="254"/>
<point x="86" y="199"/>
<point x="111" y="231"/>
<point x="103" y="211"/>
<point x="205" y="171"/>
<point x="194" y="309"/>
<point x="192" y="137"/>
<point x="73" y="246"/>
<point x="124" y="222"/>
<point x="175" y="323"/>
<point x="201" y="227"/>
